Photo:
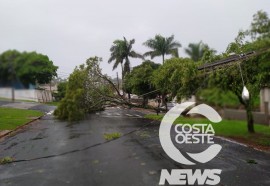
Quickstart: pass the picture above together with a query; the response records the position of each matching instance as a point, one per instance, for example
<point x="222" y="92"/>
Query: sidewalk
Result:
<point x="18" y="105"/>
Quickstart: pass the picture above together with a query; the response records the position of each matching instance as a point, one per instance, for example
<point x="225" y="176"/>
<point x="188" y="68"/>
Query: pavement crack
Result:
<point x="82" y="149"/>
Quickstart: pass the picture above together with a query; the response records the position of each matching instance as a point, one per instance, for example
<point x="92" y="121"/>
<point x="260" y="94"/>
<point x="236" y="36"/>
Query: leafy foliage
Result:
<point x="33" y="67"/>
<point x="256" y="70"/>
<point x="86" y="92"/>
<point x="162" y="46"/>
<point x="28" y="67"/>
<point x="178" y="76"/>
<point x="196" y="51"/>
<point x="218" y="97"/>
<point x="8" y="63"/>
<point x="121" y="50"/>
<point x="61" y="90"/>
<point x="139" y="81"/>
<point x="260" y="25"/>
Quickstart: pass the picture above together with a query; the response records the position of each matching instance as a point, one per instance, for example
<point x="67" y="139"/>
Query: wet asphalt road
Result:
<point x="60" y="153"/>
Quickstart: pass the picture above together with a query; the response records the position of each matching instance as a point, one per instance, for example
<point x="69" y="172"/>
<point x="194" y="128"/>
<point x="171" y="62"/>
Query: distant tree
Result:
<point x="35" y="68"/>
<point x="121" y="50"/>
<point x="29" y="68"/>
<point x="8" y="66"/>
<point x="61" y="90"/>
<point x="139" y="80"/>
<point x="177" y="77"/>
<point x="260" y="26"/>
<point x="209" y="55"/>
<point x="196" y="50"/>
<point x="162" y="46"/>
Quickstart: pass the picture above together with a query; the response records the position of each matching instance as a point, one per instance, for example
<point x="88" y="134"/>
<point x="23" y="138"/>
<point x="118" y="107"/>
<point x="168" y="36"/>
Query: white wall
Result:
<point x="26" y="94"/>
<point x="264" y="97"/>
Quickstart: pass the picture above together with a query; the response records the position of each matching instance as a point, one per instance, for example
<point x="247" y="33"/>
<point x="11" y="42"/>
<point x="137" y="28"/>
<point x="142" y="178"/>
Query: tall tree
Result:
<point x="177" y="77"/>
<point x="8" y="65"/>
<point x="255" y="71"/>
<point x="162" y="46"/>
<point x="260" y="26"/>
<point x="121" y="50"/>
<point x="196" y="50"/>
<point x="35" y="68"/>
<point x="28" y="67"/>
<point x="139" y="80"/>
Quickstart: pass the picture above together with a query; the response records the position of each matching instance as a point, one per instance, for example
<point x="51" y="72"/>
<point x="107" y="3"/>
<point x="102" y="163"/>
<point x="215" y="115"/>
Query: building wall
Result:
<point x="233" y="114"/>
<point x="264" y="99"/>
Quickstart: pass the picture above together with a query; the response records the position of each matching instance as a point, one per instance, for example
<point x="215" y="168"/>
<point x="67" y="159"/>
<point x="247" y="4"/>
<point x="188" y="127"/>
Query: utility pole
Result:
<point x="12" y="73"/>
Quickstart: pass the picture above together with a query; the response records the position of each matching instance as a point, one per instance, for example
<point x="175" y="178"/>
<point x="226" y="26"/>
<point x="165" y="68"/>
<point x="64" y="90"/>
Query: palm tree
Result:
<point x="196" y="50"/>
<point x="162" y="46"/>
<point x="121" y="50"/>
<point x="117" y="54"/>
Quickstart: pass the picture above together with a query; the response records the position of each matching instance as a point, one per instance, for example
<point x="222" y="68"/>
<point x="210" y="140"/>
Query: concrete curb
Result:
<point x="20" y="127"/>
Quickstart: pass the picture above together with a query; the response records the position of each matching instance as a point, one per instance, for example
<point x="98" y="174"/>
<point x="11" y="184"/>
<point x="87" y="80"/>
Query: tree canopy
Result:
<point x="139" y="80"/>
<point x="162" y="46"/>
<point x="27" y="67"/>
<point x="178" y="77"/>
<point x="255" y="71"/>
<point x="121" y="50"/>
<point x="196" y="51"/>
<point x="85" y="92"/>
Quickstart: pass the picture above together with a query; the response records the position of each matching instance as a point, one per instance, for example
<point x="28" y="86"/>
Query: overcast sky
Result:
<point x="70" y="31"/>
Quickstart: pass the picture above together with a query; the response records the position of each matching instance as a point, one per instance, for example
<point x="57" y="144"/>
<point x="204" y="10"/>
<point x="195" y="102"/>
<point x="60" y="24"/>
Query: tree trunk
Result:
<point x="163" y="59"/>
<point x="13" y="93"/>
<point x="250" y="121"/>
<point x="163" y="96"/>
<point x="145" y="101"/>
<point x="118" y="84"/>
<point x="129" y="97"/>
<point x="158" y="100"/>
<point x="164" y="102"/>
<point x="248" y="108"/>
<point x="122" y="68"/>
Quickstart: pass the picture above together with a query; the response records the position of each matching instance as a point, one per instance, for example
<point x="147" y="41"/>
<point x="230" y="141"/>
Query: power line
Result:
<point x="232" y="58"/>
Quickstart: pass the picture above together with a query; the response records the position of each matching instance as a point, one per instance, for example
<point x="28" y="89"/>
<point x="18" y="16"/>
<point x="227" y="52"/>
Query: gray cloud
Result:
<point x="71" y="31"/>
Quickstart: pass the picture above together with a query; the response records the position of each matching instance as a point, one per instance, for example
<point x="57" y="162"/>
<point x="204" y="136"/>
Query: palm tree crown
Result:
<point x="162" y="46"/>
<point x="196" y="50"/>
<point x="121" y="50"/>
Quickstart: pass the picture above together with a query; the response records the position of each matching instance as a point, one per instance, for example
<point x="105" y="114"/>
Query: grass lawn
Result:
<point x="11" y="118"/>
<point x="218" y="97"/>
<point x="230" y="128"/>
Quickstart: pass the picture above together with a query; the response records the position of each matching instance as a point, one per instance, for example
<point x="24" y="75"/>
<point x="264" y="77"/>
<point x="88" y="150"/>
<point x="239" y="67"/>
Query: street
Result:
<point x="52" y="152"/>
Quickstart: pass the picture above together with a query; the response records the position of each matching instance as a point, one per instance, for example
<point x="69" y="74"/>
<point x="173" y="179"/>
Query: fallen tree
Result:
<point x="88" y="90"/>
